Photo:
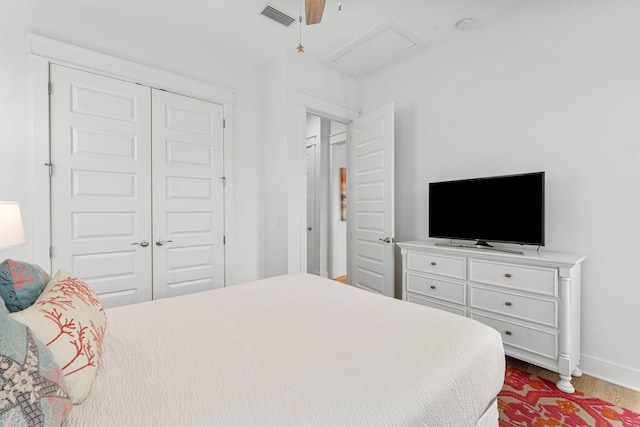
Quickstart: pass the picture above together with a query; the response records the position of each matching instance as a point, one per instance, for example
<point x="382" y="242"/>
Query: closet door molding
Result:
<point x="62" y="53"/>
<point x="45" y="51"/>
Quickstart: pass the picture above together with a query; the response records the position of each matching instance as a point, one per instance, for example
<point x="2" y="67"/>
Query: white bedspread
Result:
<point x="294" y="350"/>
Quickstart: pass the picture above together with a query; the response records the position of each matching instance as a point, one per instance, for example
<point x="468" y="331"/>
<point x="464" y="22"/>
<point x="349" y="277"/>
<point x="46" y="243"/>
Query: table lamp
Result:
<point x="11" y="230"/>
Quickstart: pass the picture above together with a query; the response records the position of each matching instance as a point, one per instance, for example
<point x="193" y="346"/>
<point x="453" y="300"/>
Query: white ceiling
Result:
<point x="235" y="29"/>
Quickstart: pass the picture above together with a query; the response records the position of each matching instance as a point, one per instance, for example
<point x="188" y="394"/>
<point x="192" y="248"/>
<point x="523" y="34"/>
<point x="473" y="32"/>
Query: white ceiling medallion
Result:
<point x="387" y="43"/>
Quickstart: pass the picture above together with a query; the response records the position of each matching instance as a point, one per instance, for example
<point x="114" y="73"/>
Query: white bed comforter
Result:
<point x="294" y="350"/>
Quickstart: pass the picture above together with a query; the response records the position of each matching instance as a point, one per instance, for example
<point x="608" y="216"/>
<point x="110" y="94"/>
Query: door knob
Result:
<point x="144" y="243"/>
<point x="308" y="228"/>
<point x="161" y="242"/>
<point x="386" y="240"/>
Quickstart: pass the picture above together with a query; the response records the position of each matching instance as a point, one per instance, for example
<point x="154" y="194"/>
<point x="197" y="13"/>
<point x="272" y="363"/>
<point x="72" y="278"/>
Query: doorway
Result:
<point x="326" y="163"/>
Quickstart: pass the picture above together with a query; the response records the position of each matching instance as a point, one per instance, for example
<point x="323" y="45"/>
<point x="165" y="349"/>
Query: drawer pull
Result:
<point x="507" y="275"/>
<point x="433" y="263"/>
<point x="433" y="286"/>
<point x="508" y="303"/>
<point x="507" y="332"/>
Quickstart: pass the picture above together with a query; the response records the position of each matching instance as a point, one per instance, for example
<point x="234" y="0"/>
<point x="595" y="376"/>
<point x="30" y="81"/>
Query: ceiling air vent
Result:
<point x="277" y="15"/>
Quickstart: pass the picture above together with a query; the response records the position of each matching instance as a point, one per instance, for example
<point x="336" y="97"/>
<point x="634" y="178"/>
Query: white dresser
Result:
<point x="533" y="300"/>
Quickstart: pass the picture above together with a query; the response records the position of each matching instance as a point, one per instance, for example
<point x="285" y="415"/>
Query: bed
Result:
<point x="293" y="350"/>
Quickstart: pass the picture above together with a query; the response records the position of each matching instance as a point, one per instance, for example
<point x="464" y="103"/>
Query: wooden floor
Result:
<point x="590" y="386"/>
<point x="341" y="279"/>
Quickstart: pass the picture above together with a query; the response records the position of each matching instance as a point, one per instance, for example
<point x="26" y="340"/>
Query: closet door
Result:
<point x="101" y="183"/>
<point x="188" y="204"/>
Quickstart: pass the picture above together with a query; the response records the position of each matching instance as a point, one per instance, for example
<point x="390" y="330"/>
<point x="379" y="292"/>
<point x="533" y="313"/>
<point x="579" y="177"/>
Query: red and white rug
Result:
<point x="527" y="400"/>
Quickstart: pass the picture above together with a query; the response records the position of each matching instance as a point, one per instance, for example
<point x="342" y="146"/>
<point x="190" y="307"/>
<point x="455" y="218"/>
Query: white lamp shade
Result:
<point x="11" y="230"/>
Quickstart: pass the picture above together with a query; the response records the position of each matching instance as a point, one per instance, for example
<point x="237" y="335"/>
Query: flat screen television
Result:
<point x="506" y="209"/>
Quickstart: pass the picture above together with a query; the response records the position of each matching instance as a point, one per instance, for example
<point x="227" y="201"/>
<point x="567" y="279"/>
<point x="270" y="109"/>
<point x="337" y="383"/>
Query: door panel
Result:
<point x="188" y="203"/>
<point x="371" y="209"/>
<point x="101" y="183"/>
<point x="313" y="263"/>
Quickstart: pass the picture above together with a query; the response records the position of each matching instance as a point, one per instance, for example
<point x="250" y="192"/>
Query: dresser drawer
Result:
<point x="526" y="338"/>
<point x="529" y="308"/>
<point x="416" y="299"/>
<point x="533" y="279"/>
<point x="437" y="264"/>
<point x="441" y="289"/>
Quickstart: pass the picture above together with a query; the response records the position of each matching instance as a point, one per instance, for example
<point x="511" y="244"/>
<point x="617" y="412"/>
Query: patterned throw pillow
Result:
<point x="32" y="388"/>
<point x="21" y="283"/>
<point x="69" y="318"/>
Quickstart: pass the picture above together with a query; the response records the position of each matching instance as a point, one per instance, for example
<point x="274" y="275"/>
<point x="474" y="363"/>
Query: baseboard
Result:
<point x="618" y="374"/>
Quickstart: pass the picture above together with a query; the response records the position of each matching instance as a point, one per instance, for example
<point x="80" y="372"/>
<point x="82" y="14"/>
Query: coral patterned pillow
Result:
<point x="32" y="388"/>
<point x="69" y="318"/>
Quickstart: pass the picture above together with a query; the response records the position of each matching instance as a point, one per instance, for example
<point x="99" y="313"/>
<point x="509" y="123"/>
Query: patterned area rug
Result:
<point x="527" y="400"/>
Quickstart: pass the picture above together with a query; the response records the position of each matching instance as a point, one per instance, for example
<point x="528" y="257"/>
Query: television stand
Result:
<point x="480" y="244"/>
<point x="533" y="300"/>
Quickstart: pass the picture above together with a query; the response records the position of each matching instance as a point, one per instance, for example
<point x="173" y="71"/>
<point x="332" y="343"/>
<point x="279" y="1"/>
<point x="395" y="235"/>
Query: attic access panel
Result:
<point x="380" y="47"/>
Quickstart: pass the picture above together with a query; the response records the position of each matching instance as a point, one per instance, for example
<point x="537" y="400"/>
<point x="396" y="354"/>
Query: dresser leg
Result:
<point x="577" y="372"/>
<point x="565" y="384"/>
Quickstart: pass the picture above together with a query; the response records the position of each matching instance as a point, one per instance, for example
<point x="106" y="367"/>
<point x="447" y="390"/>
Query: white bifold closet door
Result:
<point x="136" y="191"/>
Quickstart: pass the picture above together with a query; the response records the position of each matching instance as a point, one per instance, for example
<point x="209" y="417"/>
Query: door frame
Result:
<point x="312" y="143"/>
<point x="297" y="239"/>
<point x="44" y="51"/>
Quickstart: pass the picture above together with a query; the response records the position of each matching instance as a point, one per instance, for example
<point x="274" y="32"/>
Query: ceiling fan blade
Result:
<point x="313" y="11"/>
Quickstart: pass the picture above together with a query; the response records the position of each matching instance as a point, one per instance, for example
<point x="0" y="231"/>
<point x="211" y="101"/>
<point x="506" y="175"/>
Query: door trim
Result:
<point x="297" y="185"/>
<point x="44" y="51"/>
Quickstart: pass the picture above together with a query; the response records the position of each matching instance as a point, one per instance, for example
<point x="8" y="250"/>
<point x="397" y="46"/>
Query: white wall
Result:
<point x="69" y="22"/>
<point x="338" y="237"/>
<point x="323" y="198"/>
<point x="273" y="81"/>
<point x="284" y="122"/>
<point x="314" y="188"/>
<point x="553" y="88"/>
<point x="16" y="147"/>
<point x="329" y="89"/>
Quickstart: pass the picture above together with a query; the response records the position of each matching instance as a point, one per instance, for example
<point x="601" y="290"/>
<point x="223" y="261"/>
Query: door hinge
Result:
<point x="224" y="123"/>
<point x="49" y="86"/>
<point x="224" y="240"/>
<point x="50" y="165"/>
<point x="50" y="251"/>
<point x="224" y="181"/>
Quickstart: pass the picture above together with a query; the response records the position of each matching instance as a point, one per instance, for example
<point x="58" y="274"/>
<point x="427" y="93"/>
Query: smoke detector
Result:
<point x="277" y="15"/>
<point x="464" y="24"/>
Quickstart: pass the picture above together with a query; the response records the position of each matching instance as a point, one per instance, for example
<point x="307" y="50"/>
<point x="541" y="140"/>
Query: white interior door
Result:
<point x="101" y="183"/>
<point x="370" y="202"/>
<point x="188" y="199"/>
<point x="312" y="226"/>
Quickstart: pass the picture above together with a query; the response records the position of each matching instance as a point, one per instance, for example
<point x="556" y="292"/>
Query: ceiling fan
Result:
<point x="313" y="11"/>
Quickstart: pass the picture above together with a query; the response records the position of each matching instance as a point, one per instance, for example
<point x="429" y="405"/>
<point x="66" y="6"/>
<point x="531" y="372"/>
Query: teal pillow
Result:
<point x="32" y="388"/>
<point x="21" y="284"/>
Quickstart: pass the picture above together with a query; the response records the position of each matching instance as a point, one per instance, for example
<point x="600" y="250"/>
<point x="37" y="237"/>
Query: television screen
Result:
<point x="508" y="209"/>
